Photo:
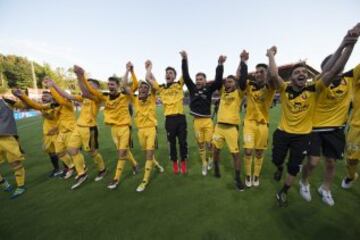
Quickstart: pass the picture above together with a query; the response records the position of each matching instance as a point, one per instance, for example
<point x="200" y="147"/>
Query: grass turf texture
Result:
<point x="172" y="207"/>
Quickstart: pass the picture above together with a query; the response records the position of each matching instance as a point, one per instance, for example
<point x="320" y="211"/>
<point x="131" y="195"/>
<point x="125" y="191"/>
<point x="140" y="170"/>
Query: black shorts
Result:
<point x="330" y="143"/>
<point x="296" y="144"/>
<point x="94" y="135"/>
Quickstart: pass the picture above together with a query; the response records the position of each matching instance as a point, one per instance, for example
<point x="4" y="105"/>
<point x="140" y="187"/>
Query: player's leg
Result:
<point x="261" y="143"/>
<point x="232" y="141"/>
<point x="334" y="145"/>
<point x="200" y="139"/>
<point x="218" y="143"/>
<point x="281" y="141"/>
<point x="249" y="144"/>
<point x="182" y="138"/>
<point x="299" y="145"/>
<point x="353" y="157"/>
<point x="64" y="156"/>
<point x="170" y="126"/>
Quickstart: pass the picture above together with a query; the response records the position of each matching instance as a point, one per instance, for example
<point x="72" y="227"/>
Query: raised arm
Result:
<point x="149" y="77"/>
<point x="80" y="73"/>
<point x="273" y="69"/>
<point x="60" y="91"/>
<point x="242" y="70"/>
<point x="217" y="83"/>
<point x="329" y="75"/>
<point x="15" y="104"/>
<point x="134" y="79"/>
<point x="185" y="71"/>
<point x="336" y="55"/>
<point x="32" y="104"/>
<point x="125" y="79"/>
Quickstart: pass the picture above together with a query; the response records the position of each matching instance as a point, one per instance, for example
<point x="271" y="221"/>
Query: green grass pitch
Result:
<point x="172" y="207"/>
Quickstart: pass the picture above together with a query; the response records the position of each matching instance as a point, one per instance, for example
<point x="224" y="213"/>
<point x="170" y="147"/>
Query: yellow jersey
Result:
<point x="297" y="107"/>
<point x="67" y="119"/>
<point x="259" y="100"/>
<point x="229" y="107"/>
<point x="88" y="112"/>
<point x="171" y="96"/>
<point x="332" y="104"/>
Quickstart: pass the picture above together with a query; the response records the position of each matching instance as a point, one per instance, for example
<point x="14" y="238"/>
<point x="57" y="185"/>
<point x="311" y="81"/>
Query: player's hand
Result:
<point x="48" y="82"/>
<point x="129" y="66"/>
<point x="148" y="65"/>
<point x="271" y="51"/>
<point x="244" y="55"/>
<point x="222" y="59"/>
<point x="17" y="92"/>
<point x="79" y="71"/>
<point x="183" y="54"/>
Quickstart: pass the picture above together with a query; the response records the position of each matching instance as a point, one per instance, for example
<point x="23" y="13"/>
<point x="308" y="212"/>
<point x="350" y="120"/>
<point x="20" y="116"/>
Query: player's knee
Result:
<point x="73" y="151"/>
<point x="16" y="165"/>
<point x="293" y="169"/>
<point x="248" y="152"/>
<point x="201" y="145"/>
<point x="352" y="162"/>
<point x="61" y="154"/>
<point x="259" y="153"/>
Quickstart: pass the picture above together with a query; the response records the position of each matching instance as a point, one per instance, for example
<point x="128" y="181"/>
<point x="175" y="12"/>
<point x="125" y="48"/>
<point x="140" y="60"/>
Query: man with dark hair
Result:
<point x="329" y="120"/>
<point x="200" y="108"/>
<point x="227" y="126"/>
<point x="259" y="95"/>
<point x="298" y="99"/>
<point x="116" y="115"/>
<point x="171" y="94"/>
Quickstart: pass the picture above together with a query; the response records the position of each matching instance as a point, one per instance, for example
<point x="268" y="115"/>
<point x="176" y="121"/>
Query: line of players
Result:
<point x="300" y="132"/>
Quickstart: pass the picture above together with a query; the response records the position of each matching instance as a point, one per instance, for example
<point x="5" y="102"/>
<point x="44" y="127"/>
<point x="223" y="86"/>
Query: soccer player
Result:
<point x="145" y="119"/>
<point x="85" y="134"/>
<point x="172" y="95"/>
<point x="116" y="115"/>
<point x="297" y="105"/>
<point x="200" y="108"/>
<point x="259" y="93"/>
<point x="66" y="124"/>
<point x="227" y="126"/>
<point x="10" y="149"/>
<point x="50" y="128"/>
<point x="352" y="138"/>
<point x="329" y="120"/>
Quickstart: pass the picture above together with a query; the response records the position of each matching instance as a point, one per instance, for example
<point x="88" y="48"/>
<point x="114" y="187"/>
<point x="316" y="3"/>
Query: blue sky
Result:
<point x="103" y="35"/>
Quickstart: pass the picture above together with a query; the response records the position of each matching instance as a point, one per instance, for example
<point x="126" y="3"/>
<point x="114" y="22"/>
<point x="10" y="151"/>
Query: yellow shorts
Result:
<point x="255" y="135"/>
<point x="62" y="141"/>
<point x="147" y="138"/>
<point x="49" y="143"/>
<point x="353" y="143"/>
<point x="85" y="137"/>
<point x="10" y="149"/>
<point x="226" y="133"/>
<point x="121" y="136"/>
<point x="204" y="129"/>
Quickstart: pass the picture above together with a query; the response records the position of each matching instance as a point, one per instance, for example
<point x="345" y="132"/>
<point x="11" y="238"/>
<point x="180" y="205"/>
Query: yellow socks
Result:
<point x="148" y="167"/>
<point x="352" y="169"/>
<point x="132" y="159"/>
<point x="119" y="169"/>
<point x="203" y="156"/>
<point x="99" y="161"/>
<point x="257" y="165"/>
<point x="19" y="172"/>
<point x="79" y="163"/>
<point x="67" y="160"/>
<point x="248" y="163"/>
